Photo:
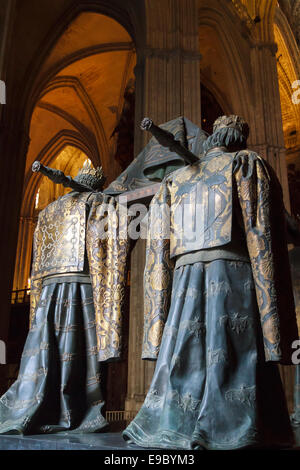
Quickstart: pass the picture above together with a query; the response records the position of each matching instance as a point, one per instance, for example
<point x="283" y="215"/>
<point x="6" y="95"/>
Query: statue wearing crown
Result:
<point x="78" y="282"/>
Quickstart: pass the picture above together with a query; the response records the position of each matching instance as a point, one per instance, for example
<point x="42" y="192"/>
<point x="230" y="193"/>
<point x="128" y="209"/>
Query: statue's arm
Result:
<point x="261" y="202"/>
<point x="167" y="139"/>
<point x="57" y="176"/>
<point x="158" y="274"/>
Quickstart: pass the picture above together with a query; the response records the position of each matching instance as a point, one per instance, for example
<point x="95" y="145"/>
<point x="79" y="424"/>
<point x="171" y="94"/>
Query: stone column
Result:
<point x="168" y="86"/>
<point x="268" y="140"/>
<point x="172" y="61"/>
<point x="266" y="127"/>
<point x="137" y="369"/>
<point x="13" y="144"/>
<point x="7" y="10"/>
<point x="24" y="251"/>
<point x="6" y="20"/>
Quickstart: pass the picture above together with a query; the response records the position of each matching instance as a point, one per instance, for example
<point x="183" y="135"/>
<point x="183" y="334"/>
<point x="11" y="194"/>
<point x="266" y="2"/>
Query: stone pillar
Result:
<point x="7" y="10"/>
<point x="266" y="127"/>
<point x="268" y="140"/>
<point x="13" y="146"/>
<point x="138" y="370"/>
<point x="24" y="251"/>
<point x="168" y="86"/>
<point x="171" y="61"/>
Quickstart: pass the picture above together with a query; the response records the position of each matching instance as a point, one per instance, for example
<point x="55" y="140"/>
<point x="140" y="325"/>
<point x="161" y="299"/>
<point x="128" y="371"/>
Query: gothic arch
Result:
<point x="47" y="155"/>
<point x="234" y="50"/>
<point x="55" y="91"/>
<point x="219" y="96"/>
<point x="130" y="16"/>
<point x="76" y="85"/>
<point x="59" y="72"/>
<point x="258" y="16"/>
<point x="58" y="155"/>
<point x="288" y="68"/>
<point x="81" y="54"/>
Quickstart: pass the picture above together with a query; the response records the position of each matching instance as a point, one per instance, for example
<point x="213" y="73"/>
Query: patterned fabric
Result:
<point x="59" y="237"/>
<point x="294" y="256"/>
<point x="58" y="386"/>
<point x="296" y="415"/>
<point x="259" y="197"/>
<point x="107" y="251"/>
<point x="261" y="202"/>
<point x="158" y="274"/>
<point x="211" y="386"/>
<point x="108" y="262"/>
<point x="35" y="294"/>
<point x="201" y="205"/>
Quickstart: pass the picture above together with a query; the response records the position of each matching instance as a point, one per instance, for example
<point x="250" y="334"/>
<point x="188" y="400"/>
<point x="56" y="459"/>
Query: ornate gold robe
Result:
<point x="65" y="232"/>
<point x="206" y="189"/>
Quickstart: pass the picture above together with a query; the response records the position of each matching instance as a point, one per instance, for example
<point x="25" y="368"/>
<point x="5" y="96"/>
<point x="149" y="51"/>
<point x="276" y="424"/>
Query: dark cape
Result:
<point x="154" y="162"/>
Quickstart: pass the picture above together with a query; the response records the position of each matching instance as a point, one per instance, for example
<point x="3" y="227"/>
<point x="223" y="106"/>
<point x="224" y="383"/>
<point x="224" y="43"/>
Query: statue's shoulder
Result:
<point x="181" y="173"/>
<point x="66" y="204"/>
<point x="249" y="158"/>
<point x="248" y="155"/>
<point x="249" y="162"/>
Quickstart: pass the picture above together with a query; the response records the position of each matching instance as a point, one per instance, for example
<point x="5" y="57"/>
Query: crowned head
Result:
<point x="91" y="177"/>
<point x="233" y="122"/>
<point x="228" y="131"/>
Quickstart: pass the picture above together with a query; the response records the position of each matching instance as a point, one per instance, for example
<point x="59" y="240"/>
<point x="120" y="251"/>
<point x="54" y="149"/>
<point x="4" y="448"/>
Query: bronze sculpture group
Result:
<point x="218" y="300"/>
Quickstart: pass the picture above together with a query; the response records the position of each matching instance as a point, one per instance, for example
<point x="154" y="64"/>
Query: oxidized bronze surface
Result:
<point x="260" y="201"/>
<point x="59" y="239"/>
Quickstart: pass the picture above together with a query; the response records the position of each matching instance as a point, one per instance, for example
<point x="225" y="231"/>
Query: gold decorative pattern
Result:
<point x="58" y="244"/>
<point x="158" y="274"/>
<point x="107" y="260"/>
<point x="255" y="183"/>
<point x="59" y="238"/>
<point x="207" y="187"/>
<point x="119" y="183"/>
<point x="35" y="293"/>
<point x="107" y="257"/>
<point x="194" y="185"/>
<point x="201" y="205"/>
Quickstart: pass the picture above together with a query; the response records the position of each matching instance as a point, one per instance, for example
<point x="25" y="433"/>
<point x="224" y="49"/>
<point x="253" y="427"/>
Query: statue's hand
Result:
<point x="36" y="166"/>
<point x="146" y="124"/>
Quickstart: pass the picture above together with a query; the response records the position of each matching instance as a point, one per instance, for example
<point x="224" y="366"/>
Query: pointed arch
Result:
<point x="75" y="84"/>
<point x="46" y="156"/>
<point x="221" y="20"/>
<point x="288" y="68"/>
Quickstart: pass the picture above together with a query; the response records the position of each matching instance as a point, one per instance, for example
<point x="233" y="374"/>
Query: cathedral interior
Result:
<point x="81" y="74"/>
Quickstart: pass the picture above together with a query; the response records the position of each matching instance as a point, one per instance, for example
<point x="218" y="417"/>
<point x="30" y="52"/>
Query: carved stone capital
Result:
<point x="272" y="46"/>
<point x="166" y="53"/>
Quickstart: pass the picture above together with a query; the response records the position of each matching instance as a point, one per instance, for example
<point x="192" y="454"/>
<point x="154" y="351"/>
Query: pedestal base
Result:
<point x="96" y="441"/>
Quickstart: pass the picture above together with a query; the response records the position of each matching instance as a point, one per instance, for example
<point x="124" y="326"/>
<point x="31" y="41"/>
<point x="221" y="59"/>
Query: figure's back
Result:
<point x="59" y="239"/>
<point x="201" y="204"/>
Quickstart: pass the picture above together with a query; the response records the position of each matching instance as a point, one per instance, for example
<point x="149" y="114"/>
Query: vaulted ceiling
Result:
<point x="291" y="9"/>
<point x="82" y="84"/>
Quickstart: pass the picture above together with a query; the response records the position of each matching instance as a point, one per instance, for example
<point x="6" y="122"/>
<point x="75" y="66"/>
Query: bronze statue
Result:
<point x="78" y="280"/>
<point x="218" y="303"/>
<point x="184" y="141"/>
<point x="294" y="256"/>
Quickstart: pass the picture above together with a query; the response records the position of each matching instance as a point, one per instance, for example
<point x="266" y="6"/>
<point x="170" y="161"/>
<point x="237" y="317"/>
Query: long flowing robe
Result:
<point x="78" y="282"/>
<point x="218" y="322"/>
